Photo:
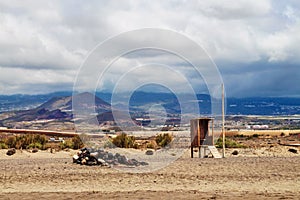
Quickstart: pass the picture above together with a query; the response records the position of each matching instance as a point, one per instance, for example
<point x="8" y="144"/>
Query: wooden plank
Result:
<point x="214" y="151"/>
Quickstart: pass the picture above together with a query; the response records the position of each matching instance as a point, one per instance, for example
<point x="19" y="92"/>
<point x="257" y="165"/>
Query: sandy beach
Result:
<point x="250" y="175"/>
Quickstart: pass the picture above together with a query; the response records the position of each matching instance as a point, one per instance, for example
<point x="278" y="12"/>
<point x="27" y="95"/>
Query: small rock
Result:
<point x="149" y="152"/>
<point x="293" y="150"/>
<point x="144" y="163"/>
<point x="83" y="161"/>
<point x="75" y="158"/>
<point x="11" y="152"/>
<point x="130" y="162"/>
<point x="101" y="154"/>
<point x="235" y="152"/>
<point x="94" y="154"/>
<point x="92" y="161"/>
<point x="110" y="161"/>
<point x="122" y="160"/>
<point x="34" y="150"/>
<point x="110" y="156"/>
<point x="101" y="161"/>
<point x="135" y="162"/>
<point x="115" y="162"/>
<point x="105" y="157"/>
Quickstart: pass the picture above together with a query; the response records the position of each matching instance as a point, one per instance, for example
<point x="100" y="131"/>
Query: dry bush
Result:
<point x="3" y="145"/>
<point x="77" y="142"/>
<point x="163" y="139"/>
<point x="124" y="141"/>
<point x="26" y="141"/>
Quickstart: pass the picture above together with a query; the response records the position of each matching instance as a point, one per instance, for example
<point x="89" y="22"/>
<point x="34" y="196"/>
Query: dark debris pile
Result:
<point x="88" y="156"/>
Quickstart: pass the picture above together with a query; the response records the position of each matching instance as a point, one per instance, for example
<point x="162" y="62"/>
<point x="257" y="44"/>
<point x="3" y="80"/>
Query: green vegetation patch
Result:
<point x="229" y="143"/>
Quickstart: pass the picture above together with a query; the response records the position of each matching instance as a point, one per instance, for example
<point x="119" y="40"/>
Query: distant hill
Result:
<point x="25" y="102"/>
<point x="65" y="103"/>
<point x="38" y="114"/>
<point x="57" y="108"/>
<point x="263" y="106"/>
<point x="140" y="102"/>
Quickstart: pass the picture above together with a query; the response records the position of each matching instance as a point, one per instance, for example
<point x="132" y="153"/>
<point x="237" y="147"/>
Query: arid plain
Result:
<point x="260" y="173"/>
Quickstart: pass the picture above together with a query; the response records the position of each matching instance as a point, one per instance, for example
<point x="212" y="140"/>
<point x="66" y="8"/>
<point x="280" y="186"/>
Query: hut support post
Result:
<point x="199" y="150"/>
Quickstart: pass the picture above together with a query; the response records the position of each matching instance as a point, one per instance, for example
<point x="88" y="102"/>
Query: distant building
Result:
<point x="248" y="127"/>
<point x="260" y="127"/>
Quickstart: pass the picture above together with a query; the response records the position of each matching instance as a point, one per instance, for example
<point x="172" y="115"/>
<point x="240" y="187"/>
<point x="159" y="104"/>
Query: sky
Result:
<point x="254" y="44"/>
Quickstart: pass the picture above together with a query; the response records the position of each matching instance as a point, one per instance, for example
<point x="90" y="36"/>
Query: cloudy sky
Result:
<point x="255" y="44"/>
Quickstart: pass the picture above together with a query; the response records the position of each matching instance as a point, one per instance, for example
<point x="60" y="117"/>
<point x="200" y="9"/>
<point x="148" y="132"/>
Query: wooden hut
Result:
<point x="202" y="137"/>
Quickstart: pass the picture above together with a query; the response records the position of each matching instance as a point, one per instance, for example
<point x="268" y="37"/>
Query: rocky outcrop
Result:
<point x="100" y="157"/>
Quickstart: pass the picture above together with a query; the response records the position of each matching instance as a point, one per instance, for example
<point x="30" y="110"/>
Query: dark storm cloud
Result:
<point x="263" y="79"/>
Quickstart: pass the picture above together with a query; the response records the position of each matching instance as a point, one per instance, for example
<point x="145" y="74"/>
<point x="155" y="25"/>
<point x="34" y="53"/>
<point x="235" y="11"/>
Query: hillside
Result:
<point x="57" y="108"/>
<point x="141" y="101"/>
<point x="65" y="103"/>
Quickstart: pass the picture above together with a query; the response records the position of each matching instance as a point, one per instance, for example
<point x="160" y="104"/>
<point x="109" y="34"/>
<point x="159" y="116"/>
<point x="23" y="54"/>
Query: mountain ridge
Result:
<point x="240" y="106"/>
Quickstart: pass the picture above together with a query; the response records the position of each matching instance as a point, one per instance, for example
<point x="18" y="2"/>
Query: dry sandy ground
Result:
<point x="53" y="176"/>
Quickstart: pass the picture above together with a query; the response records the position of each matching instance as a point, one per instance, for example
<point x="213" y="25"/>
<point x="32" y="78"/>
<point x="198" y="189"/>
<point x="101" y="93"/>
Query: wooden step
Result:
<point x="214" y="151"/>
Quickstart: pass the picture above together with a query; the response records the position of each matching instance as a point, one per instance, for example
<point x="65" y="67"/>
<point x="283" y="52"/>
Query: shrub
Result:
<point x="136" y="146"/>
<point x="150" y="146"/>
<point x="35" y="145"/>
<point x="3" y="145"/>
<point x="68" y="144"/>
<point x="228" y="143"/>
<point x="163" y="139"/>
<point x="26" y="141"/>
<point x="37" y="141"/>
<point x="77" y="142"/>
<point x="239" y="136"/>
<point x="11" y="142"/>
<point x="42" y="139"/>
<point x="124" y="141"/>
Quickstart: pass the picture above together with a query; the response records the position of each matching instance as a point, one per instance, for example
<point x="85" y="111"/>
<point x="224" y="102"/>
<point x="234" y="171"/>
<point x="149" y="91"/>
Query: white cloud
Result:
<point x="15" y="80"/>
<point x="55" y="36"/>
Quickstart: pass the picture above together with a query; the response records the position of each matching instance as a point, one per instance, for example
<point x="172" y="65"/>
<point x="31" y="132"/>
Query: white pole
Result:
<point x="223" y="120"/>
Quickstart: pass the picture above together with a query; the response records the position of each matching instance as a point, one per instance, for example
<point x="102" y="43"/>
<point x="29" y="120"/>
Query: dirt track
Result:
<point x="31" y="177"/>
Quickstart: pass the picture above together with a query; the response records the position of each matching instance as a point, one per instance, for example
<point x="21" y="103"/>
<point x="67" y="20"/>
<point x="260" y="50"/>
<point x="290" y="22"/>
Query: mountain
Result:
<point x="25" y="102"/>
<point x="38" y="114"/>
<point x="263" y="106"/>
<point x="57" y="108"/>
<point x="141" y="102"/>
<point x="65" y="103"/>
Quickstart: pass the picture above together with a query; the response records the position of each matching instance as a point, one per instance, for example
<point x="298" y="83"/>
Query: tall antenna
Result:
<point x="223" y="119"/>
